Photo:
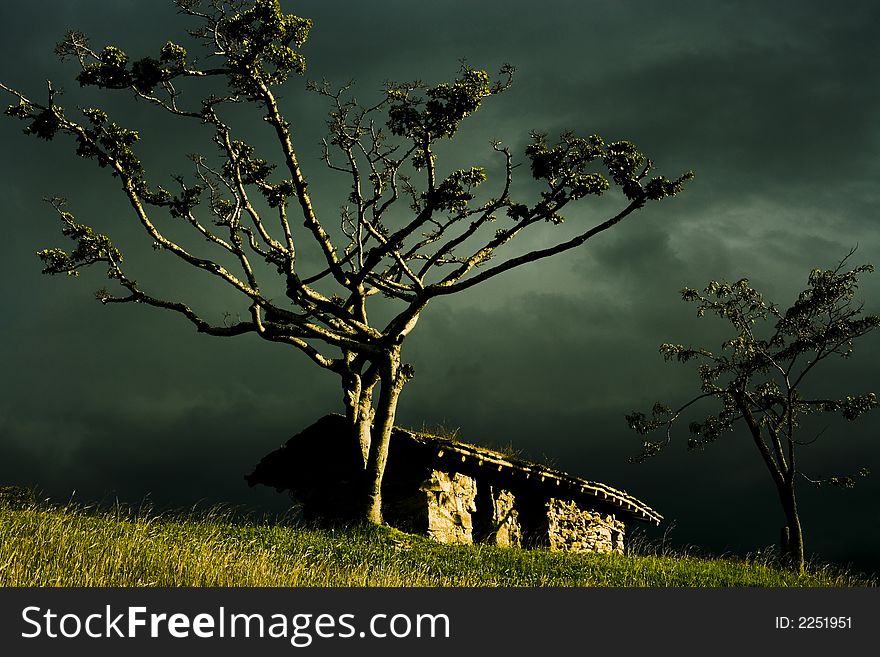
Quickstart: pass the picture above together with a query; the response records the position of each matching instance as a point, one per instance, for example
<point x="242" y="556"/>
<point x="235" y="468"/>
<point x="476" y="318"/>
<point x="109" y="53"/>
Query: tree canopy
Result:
<point x="408" y="231"/>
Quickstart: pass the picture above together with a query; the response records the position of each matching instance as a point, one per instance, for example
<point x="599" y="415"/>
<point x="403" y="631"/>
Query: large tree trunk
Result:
<point x="391" y="382"/>
<point x="371" y="426"/>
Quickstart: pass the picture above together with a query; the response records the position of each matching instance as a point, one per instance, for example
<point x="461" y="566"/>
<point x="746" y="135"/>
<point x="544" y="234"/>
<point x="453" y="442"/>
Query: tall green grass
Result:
<point x="43" y="545"/>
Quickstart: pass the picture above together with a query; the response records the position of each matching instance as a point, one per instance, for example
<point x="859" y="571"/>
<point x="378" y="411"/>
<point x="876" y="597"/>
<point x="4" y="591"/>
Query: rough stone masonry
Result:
<point x="450" y="506"/>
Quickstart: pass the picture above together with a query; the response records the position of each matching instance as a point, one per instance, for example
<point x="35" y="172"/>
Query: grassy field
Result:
<point x="44" y="545"/>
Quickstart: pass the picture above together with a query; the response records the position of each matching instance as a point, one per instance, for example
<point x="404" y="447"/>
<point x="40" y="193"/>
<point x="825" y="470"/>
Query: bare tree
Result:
<point x="762" y="374"/>
<point x="409" y="231"/>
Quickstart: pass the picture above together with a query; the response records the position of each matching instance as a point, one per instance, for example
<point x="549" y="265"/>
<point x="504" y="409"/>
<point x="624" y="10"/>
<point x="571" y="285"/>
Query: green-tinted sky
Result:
<point x="773" y="104"/>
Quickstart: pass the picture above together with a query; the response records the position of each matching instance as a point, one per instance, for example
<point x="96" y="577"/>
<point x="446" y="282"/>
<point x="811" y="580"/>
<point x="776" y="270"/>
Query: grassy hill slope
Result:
<point x="72" y="546"/>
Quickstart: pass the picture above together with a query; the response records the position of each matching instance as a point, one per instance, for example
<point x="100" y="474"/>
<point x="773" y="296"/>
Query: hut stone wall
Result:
<point x="506" y="530"/>
<point x="576" y="529"/>
<point x="450" y="507"/>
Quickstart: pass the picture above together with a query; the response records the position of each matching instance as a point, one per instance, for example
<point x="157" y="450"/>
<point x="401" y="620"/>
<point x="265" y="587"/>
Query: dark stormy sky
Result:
<point x="774" y="105"/>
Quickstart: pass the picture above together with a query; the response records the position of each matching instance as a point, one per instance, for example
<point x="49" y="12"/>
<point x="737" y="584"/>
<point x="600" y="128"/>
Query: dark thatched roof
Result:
<point x="323" y="461"/>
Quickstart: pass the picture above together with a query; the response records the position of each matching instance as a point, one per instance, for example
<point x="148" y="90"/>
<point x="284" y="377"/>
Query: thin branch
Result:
<point x="311" y="222"/>
<point x="450" y="286"/>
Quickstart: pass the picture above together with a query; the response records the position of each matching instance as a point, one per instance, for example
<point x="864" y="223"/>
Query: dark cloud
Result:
<point x="773" y="106"/>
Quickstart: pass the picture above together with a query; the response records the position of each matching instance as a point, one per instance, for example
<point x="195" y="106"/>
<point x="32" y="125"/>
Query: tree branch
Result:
<point x="450" y="286"/>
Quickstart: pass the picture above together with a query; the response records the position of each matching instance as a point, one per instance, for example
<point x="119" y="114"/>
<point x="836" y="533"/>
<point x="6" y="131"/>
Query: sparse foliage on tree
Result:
<point x="409" y="230"/>
<point x="766" y="378"/>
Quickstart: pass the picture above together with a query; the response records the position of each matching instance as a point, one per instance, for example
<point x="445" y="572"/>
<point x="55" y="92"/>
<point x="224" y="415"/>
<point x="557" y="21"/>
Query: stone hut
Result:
<point x="452" y="491"/>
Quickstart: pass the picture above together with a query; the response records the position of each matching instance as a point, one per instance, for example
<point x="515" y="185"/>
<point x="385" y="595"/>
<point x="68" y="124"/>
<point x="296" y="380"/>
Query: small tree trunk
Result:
<point x="391" y="383"/>
<point x="793" y="534"/>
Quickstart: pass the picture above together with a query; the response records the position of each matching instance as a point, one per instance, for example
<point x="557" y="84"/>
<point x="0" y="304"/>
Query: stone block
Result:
<point x="575" y="529"/>
<point x="451" y="499"/>
<point x="505" y="519"/>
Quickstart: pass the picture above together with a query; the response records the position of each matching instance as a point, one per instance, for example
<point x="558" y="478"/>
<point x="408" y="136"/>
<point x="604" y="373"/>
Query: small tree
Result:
<point x="761" y="378"/>
<point x="409" y="231"/>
